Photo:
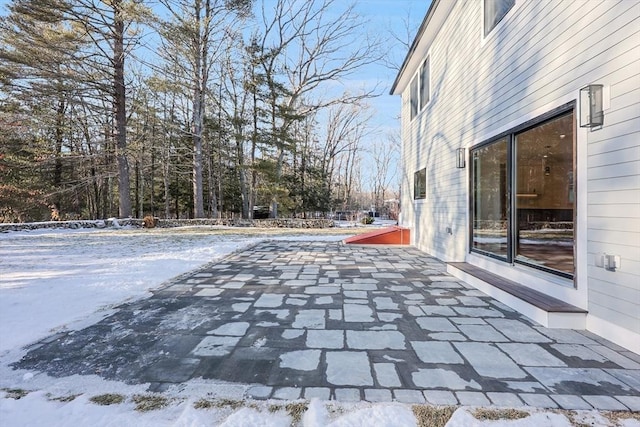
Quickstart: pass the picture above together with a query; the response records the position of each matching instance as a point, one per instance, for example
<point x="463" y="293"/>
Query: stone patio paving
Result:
<point x="331" y="321"/>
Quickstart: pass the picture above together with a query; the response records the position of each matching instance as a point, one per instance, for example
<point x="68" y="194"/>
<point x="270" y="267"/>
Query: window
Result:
<point x="490" y="211"/>
<point x="494" y="11"/>
<point x="419" y="92"/>
<point x="424" y="84"/>
<point x="413" y="97"/>
<point x="420" y="184"/>
<point x="523" y="200"/>
<point x="544" y="202"/>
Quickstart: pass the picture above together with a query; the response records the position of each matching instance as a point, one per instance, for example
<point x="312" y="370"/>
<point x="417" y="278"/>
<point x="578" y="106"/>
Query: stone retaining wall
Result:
<point x="259" y="223"/>
<point x="169" y="223"/>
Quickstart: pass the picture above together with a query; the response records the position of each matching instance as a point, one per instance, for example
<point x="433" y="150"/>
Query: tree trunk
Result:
<point x="199" y="84"/>
<point x="57" y="174"/>
<point x="254" y="148"/>
<point x="275" y="136"/>
<point x="242" y="174"/>
<point x="152" y="200"/>
<point x="120" y="115"/>
<point x="198" y="199"/>
<point x="166" y="183"/>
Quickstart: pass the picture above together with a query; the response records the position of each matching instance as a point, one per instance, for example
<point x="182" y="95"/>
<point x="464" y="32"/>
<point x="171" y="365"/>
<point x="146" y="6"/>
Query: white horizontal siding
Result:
<point x="621" y="169"/>
<point x="601" y="243"/>
<point x="616" y="183"/>
<point x="628" y="322"/>
<point x="627" y="84"/>
<point x="622" y="115"/>
<point x="535" y="61"/>
<point x="489" y="79"/>
<point x="604" y="223"/>
<point x="611" y="197"/>
<point x="626" y="237"/>
<point x="625" y="249"/>
<point x="616" y="156"/>
<point x="630" y="98"/>
<point x="613" y="185"/>
<point x="621" y="134"/>
<point x="624" y="281"/>
<point x="550" y="68"/>
<point x="626" y="306"/>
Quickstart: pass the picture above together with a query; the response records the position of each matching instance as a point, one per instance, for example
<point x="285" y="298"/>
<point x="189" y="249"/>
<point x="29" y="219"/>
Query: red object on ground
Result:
<point x="384" y="236"/>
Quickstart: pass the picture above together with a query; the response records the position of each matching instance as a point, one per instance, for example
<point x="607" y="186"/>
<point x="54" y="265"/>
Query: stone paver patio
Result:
<point x="332" y="321"/>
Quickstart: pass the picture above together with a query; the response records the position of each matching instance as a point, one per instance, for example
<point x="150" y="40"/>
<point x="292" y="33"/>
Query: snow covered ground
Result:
<point x="55" y="280"/>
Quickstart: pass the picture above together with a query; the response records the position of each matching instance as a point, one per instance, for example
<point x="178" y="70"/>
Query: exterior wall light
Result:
<point x="591" y="106"/>
<point x="461" y="158"/>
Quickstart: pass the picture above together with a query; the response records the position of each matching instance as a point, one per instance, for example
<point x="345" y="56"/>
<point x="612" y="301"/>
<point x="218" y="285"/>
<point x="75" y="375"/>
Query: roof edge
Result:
<point x="414" y="45"/>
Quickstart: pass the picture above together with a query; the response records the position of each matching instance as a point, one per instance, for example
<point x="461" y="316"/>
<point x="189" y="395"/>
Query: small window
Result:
<point x="494" y="11"/>
<point x="419" y="92"/>
<point x="424" y="84"/>
<point x="413" y="97"/>
<point x="420" y="184"/>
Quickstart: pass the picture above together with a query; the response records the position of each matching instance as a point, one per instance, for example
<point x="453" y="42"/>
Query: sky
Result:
<point x="402" y="18"/>
<point x="391" y="16"/>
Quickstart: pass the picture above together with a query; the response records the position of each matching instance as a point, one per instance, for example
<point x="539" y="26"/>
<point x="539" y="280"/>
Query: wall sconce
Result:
<point x="461" y="158"/>
<point x="591" y="106"/>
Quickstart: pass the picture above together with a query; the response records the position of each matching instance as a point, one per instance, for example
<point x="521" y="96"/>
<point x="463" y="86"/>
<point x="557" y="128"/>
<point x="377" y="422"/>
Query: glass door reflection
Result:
<point x="545" y="195"/>
<point x="490" y="199"/>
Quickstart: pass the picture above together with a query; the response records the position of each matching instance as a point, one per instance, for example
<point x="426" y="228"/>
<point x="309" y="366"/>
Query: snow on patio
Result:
<point x="55" y="280"/>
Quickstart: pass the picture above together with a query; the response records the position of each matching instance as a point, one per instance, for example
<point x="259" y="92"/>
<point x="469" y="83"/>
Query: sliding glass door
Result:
<point x="545" y="195"/>
<point x="490" y="207"/>
<point x="524" y="197"/>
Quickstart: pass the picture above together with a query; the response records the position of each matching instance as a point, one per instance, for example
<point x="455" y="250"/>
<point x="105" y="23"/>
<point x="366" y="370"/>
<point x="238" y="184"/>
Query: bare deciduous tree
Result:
<point x="383" y="153"/>
<point x="307" y="46"/>
<point x="191" y="37"/>
<point x="346" y="125"/>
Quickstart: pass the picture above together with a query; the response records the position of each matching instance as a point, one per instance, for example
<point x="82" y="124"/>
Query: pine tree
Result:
<point x="38" y="65"/>
<point x="92" y="40"/>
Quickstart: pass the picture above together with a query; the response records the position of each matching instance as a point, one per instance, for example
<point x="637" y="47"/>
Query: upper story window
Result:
<point x="413" y="97"/>
<point x="419" y="91"/>
<point x="424" y="83"/>
<point x="494" y="11"/>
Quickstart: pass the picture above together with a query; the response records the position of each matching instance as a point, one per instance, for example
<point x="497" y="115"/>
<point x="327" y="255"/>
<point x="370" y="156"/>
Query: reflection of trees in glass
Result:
<point x="490" y="181"/>
<point x="420" y="184"/>
<point x="544" y="196"/>
<point x="490" y="197"/>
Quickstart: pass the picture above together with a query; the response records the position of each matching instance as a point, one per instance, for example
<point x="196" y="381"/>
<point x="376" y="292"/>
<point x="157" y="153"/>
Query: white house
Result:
<point x="521" y="155"/>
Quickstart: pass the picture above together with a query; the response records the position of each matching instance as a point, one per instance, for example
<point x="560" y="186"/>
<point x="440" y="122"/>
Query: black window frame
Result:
<point x="501" y="9"/>
<point x="420" y="184"/>
<point x="511" y="134"/>
<point x="420" y="88"/>
<point x="425" y="88"/>
<point x="414" y="97"/>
